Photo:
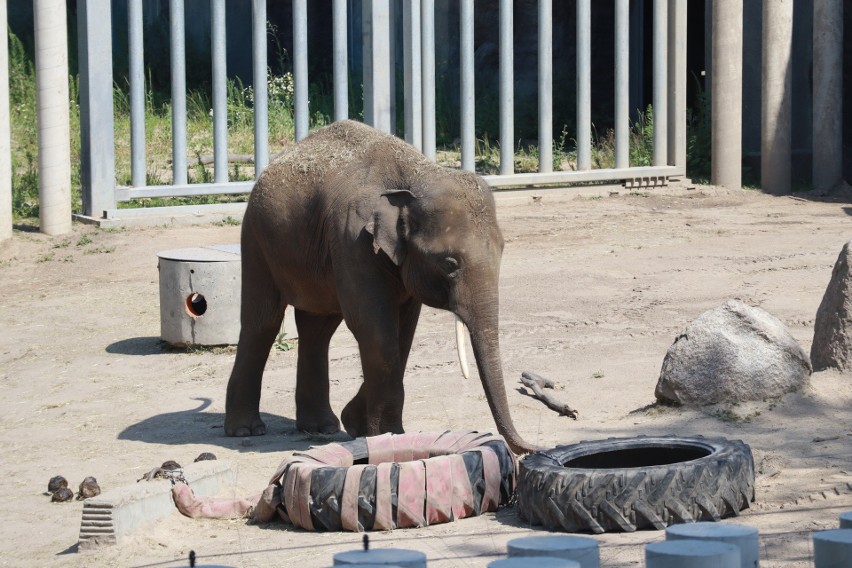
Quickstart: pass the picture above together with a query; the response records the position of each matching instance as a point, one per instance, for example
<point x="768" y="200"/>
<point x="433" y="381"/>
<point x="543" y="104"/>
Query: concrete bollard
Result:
<point x="382" y="557"/>
<point x="833" y="549"/>
<point x="580" y="549"/>
<point x="846" y="520"/>
<point x="741" y="536"/>
<point x="691" y="554"/>
<point x="537" y="561"/>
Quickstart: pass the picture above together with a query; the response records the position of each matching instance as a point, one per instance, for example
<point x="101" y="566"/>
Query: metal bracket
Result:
<point x="648" y="182"/>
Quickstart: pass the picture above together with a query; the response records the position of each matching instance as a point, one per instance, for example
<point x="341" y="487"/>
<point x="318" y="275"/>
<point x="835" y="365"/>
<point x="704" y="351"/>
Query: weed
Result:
<point x="228" y="221"/>
<point x="62" y="244"/>
<point x="46" y="257"/>
<point x="598" y="375"/>
<point x="284" y="344"/>
<point x="99" y="250"/>
<point x="84" y="240"/>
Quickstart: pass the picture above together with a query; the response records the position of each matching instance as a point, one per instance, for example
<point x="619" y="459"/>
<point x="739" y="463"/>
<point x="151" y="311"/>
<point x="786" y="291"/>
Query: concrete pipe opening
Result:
<point x="196" y="304"/>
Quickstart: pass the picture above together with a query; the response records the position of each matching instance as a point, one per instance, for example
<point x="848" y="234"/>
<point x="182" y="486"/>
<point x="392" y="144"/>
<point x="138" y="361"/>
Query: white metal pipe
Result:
<point x="218" y="53"/>
<point x="136" y="56"/>
<point x="177" y="55"/>
<point x="507" y="89"/>
<point x="412" y="61"/>
<point x="381" y="65"/>
<point x="677" y="83"/>
<point x="427" y="21"/>
<point x="468" y="104"/>
<point x="726" y="97"/>
<point x="661" y="27"/>
<point x="259" y="79"/>
<point x="545" y="86"/>
<point x="584" y="85"/>
<point x="300" y="67"/>
<point x="340" y="70"/>
<point x="5" y="137"/>
<point x="622" y="83"/>
<point x="828" y="94"/>
<point x="776" y="97"/>
<point x="54" y="142"/>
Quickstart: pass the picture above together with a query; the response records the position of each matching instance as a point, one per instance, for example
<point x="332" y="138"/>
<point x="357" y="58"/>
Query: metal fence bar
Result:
<point x="622" y="83"/>
<point x="381" y="70"/>
<point x="97" y="124"/>
<point x="340" y="70"/>
<point x="545" y="86"/>
<point x="261" y="101"/>
<point x="584" y="85"/>
<point x="220" y="91"/>
<point x="125" y="193"/>
<point x="136" y="77"/>
<point x="300" y="67"/>
<point x="507" y="89"/>
<point x="661" y="26"/>
<point x="677" y="83"/>
<point x="391" y="43"/>
<point x="649" y="173"/>
<point x="177" y="46"/>
<point x="367" y="59"/>
<point x="468" y="105"/>
<point x="427" y="23"/>
<point x="5" y="137"/>
<point x="412" y="73"/>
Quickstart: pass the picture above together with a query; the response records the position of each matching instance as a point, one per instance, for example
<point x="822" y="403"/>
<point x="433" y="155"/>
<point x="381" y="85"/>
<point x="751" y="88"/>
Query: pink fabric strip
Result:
<point x="303" y="492"/>
<point x="412" y="494"/>
<point x="403" y="448"/>
<point x="291" y="502"/>
<point x="384" y="507"/>
<point x="285" y="463"/>
<point x="423" y="444"/>
<point x="332" y="454"/>
<point x="349" y="502"/>
<point x="444" y="444"/>
<point x="439" y="499"/>
<point x="462" y="504"/>
<point x="491" y="473"/>
<point x="467" y="440"/>
<point x="380" y="448"/>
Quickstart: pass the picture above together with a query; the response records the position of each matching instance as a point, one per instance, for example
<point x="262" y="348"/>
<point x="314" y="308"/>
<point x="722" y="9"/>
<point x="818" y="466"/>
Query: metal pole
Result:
<point x="220" y="94"/>
<point x="5" y="136"/>
<point x="178" y="68"/>
<point x="828" y="94"/>
<point x="341" y="72"/>
<point x="261" y="100"/>
<point x="427" y="21"/>
<point x="507" y="89"/>
<point x="677" y="84"/>
<point x="584" y="90"/>
<point x="726" y="98"/>
<point x="54" y="145"/>
<point x="661" y="28"/>
<point x="136" y="48"/>
<point x="468" y="134"/>
<point x="545" y="86"/>
<point x="776" y="107"/>
<point x="412" y="73"/>
<point x="391" y="43"/>
<point x="97" y="148"/>
<point x="622" y="83"/>
<point x="300" y="67"/>
<point x="381" y="70"/>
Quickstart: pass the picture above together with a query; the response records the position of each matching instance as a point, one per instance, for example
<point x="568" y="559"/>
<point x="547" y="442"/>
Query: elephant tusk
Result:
<point x="460" y="347"/>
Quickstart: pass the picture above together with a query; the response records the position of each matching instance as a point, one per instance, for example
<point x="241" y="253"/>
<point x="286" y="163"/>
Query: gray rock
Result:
<point x="733" y="353"/>
<point x="832" y="346"/>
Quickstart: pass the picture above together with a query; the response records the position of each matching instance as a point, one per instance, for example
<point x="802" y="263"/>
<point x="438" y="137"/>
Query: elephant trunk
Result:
<point x="484" y="338"/>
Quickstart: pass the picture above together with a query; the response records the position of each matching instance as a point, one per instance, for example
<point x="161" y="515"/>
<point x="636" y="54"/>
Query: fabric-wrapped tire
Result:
<point x="624" y="484"/>
<point x="393" y="481"/>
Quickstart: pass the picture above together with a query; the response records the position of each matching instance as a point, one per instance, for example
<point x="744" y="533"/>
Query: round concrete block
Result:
<point x="741" y="536"/>
<point x="833" y="549"/>
<point x="691" y="554"/>
<point x="537" y="561"/>
<point x="846" y="520"/>
<point x="383" y="557"/>
<point x="580" y="549"/>
<point x="200" y="295"/>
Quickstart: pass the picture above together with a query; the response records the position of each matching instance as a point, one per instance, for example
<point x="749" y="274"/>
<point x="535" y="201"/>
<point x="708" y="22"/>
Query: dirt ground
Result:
<point x="593" y="289"/>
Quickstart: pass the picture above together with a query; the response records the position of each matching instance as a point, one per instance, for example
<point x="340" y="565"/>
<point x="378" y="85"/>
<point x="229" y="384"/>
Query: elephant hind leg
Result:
<point x="313" y="410"/>
<point x="261" y="314"/>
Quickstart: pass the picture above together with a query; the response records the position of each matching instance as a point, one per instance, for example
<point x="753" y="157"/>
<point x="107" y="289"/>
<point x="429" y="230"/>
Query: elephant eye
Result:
<point x="450" y="266"/>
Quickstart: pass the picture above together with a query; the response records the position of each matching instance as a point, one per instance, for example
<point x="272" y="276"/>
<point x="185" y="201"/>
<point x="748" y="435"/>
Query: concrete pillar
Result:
<point x="828" y="94"/>
<point x="833" y="549"/>
<point x="776" y="97"/>
<point x="744" y="537"/>
<point x="691" y="554"/>
<point x="846" y="520"/>
<point x="5" y="136"/>
<point x="726" y="94"/>
<point x="54" y="143"/>
<point x="583" y="550"/>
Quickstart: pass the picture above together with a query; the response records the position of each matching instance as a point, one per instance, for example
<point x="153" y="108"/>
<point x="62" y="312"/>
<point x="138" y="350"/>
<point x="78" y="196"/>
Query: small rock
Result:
<point x="832" y="345"/>
<point x="731" y="354"/>
<point x="88" y="488"/>
<point x="62" y="494"/>
<point x="170" y="465"/>
<point x="56" y="483"/>
<point x="206" y="456"/>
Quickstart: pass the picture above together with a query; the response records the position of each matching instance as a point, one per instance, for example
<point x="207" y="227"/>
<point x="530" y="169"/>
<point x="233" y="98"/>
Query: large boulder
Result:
<point x="730" y="354"/>
<point x="832" y="346"/>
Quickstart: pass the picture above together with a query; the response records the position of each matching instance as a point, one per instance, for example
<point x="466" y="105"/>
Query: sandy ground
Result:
<point x="593" y="290"/>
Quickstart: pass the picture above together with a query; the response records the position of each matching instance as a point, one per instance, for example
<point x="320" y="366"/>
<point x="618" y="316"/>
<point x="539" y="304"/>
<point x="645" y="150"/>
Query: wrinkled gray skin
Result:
<point x="357" y="226"/>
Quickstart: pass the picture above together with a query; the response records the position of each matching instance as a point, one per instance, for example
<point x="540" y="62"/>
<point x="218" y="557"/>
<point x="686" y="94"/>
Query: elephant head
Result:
<point x="442" y="233"/>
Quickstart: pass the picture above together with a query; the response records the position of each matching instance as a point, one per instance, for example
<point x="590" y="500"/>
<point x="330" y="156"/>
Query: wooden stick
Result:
<point x="553" y="404"/>
<point x="539" y="380"/>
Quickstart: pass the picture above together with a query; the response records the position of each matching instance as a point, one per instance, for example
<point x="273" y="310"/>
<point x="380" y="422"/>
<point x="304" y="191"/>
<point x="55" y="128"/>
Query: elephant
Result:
<point x="355" y="225"/>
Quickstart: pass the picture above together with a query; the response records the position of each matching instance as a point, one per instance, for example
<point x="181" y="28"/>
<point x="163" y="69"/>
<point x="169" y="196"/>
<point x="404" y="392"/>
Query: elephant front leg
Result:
<point x="313" y="411"/>
<point x="242" y="403"/>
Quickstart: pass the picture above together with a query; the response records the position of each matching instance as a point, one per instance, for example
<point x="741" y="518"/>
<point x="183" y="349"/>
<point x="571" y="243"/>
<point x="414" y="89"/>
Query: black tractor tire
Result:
<point x="625" y="484"/>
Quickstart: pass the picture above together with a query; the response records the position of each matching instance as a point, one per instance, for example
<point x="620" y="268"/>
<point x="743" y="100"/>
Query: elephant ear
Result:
<point x="387" y="224"/>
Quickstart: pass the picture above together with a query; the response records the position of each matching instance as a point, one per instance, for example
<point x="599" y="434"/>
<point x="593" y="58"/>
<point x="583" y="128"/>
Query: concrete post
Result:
<point x="726" y="95"/>
<point x="5" y="136"/>
<point x="828" y="94"/>
<point x="833" y="548"/>
<point x="776" y="97"/>
<point x="54" y="142"/>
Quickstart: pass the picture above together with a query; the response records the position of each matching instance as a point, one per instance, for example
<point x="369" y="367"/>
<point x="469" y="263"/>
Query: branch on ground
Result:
<point x="536" y="383"/>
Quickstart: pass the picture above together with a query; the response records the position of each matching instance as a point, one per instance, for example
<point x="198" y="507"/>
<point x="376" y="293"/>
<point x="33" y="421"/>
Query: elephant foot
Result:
<point x="318" y="423"/>
<point x="354" y="418"/>
<point x="240" y="425"/>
